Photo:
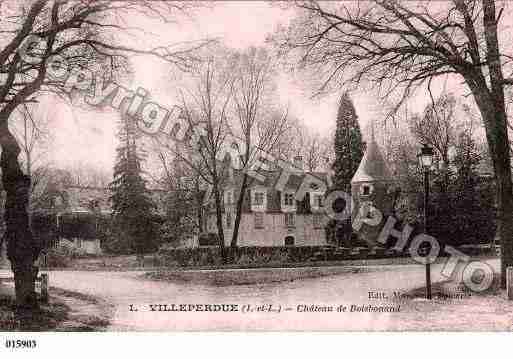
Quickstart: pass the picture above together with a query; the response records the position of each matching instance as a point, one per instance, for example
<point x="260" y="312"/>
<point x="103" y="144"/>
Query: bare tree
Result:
<point x="314" y="148"/>
<point x="88" y="175"/>
<point x="259" y="128"/>
<point x="184" y="202"/>
<point x="205" y="107"/>
<point x="402" y="46"/>
<point x="287" y="146"/>
<point x="298" y="139"/>
<point x="313" y="152"/>
<point x="437" y="127"/>
<point x="32" y="132"/>
<point x="80" y="34"/>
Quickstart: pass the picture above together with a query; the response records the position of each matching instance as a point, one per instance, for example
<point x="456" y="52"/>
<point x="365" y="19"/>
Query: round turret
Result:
<point x="372" y="183"/>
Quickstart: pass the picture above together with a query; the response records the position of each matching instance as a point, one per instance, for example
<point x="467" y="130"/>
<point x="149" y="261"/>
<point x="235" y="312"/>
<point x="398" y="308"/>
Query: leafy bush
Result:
<point x="58" y="258"/>
<point x="117" y="242"/>
<point x="210" y="256"/>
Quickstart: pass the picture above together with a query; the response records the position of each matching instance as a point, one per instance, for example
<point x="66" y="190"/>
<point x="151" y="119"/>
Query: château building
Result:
<point x="373" y="184"/>
<point x="272" y="217"/>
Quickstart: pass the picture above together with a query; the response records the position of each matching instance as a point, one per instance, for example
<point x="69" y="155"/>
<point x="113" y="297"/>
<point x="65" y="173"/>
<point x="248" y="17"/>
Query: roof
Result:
<point x="373" y="166"/>
<point x="80" y="198"/>
<point x="272" y="177"/>
<point x="273" y="195"/>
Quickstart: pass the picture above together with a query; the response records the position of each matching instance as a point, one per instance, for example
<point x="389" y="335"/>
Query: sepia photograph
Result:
<point x="255" y="166"/>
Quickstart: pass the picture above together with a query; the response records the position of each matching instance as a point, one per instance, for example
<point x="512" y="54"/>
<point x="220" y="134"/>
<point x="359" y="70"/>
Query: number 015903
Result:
<point x="20" y="344"/>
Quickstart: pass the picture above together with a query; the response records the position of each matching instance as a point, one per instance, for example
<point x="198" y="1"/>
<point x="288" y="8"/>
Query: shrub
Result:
<point x="58" y="258"/>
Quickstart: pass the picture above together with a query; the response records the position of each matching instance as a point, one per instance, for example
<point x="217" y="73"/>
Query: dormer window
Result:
<point x="317" y="200"/>
<point x="229" y="197"/>
<point x="258" y="198"/>
<point x="366" y="189"/>
<point x="288" y="199"/>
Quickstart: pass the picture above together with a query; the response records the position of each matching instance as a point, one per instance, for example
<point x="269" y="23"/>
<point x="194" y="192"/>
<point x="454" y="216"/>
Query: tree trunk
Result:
<point x="238" y="214"/>
<point x="22" y="247"/>
<point x="496" y="125"/>
<point x="199" y="205"/>
<point x="495" y="122"/>
<point x="28" y="166"/>
<point x="504" y="215"/>
<point x="493" y="110"/>
<point x="443" y="208"/>
<point x="219" y="219"/>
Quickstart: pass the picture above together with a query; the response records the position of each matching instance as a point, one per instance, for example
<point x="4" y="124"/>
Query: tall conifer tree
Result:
<point x="348" y="145"/>
<point x="132" y="206"/>
<point x="348" y="154"/>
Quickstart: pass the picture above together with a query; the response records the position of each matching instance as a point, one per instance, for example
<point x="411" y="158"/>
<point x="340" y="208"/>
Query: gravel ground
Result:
<point x="456" y="309"/>
<point x="131" y="296"/>
<point x="123" y="289"/>
<point x="65" y="311"/>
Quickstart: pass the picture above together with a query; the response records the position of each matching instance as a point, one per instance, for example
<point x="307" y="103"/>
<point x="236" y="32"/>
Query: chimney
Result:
<point x="298" y="162"/>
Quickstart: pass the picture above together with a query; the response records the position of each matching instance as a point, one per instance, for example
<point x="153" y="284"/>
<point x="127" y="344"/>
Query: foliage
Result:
<point x="178" y="226"/>
<point x="349" y="149"/>
<point x="348" y="145"/>
<point x="58" y="258"/>
<point x="183" y="200"/>
<point x="472" y="214"/>
<point x="399" y="47"/>
<point x="463" y="210"/>
<point x="132" y="206"/>
<point x="437" y="127"/>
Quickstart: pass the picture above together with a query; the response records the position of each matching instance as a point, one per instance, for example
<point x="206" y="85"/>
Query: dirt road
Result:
<point x="133" y="297"/>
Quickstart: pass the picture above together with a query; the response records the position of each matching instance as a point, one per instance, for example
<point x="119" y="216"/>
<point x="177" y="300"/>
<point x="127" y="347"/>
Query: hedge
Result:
<point x="209" y="256"/>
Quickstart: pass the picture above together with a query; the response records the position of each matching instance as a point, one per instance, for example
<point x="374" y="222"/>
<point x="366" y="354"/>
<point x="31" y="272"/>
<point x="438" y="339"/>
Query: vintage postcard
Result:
<point x="172" y="166"/>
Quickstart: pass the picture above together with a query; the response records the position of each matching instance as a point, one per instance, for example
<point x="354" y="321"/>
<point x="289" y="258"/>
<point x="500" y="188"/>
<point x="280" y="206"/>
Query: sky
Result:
<point x="89" y="136"/>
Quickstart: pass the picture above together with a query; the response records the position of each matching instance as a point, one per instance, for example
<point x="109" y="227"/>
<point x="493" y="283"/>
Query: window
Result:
<point x="290" y="220"/>
<point x="289" y="241"/>
<point x="288" y="199"/>
<point x="259" y="198"/>
<point x="366" y="190"/>
<point x="319" y="200"/>
<point x="317" y="221"/>
<point x="259" y="220"/>
<point x="229" y="197"/>
<point x="228" y="220"/>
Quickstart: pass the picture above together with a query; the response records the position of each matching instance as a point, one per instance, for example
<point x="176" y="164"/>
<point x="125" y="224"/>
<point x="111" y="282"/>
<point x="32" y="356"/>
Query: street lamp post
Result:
<point x="426" y="161"/>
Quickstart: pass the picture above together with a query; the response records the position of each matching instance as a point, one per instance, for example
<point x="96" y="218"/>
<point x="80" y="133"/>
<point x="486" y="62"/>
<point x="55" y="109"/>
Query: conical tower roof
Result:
<point x="373" y="167"/>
